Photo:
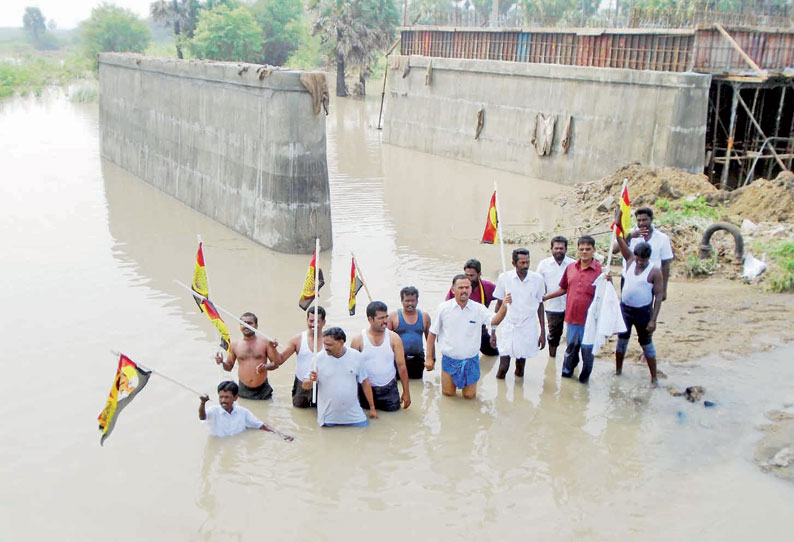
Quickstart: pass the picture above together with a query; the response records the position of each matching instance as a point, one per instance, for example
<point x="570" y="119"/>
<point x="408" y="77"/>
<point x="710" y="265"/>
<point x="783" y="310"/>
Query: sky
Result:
<point x="67" y="13"/>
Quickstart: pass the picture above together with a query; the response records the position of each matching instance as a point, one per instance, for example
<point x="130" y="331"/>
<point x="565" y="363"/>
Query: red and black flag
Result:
<point x="355" y="285"/>
<point x="307" y="293"/>
<point x="130" y="380"/>
<point x="490" y="234"/>
<point x="625" y="220"/>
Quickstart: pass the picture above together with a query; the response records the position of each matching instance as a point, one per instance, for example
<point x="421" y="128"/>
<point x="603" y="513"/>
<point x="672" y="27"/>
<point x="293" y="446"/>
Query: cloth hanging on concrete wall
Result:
<point x="543" y="136"/>
<point x="316" y="84"/>
<point x="480" y="123"/>
<point x="429" y="73"/>
<point x="566" y="136"/>
<point x="406" y="67"/>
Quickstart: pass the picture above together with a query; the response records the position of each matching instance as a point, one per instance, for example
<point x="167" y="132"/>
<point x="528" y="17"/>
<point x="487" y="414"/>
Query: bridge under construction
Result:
<point x="570" y="105"/>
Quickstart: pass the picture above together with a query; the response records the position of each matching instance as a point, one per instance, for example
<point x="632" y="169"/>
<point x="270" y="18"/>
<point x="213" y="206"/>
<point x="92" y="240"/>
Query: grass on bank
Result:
<point x="780" y="260"/>
<point x="697" y="213"/>
<point x="30" y="74"/>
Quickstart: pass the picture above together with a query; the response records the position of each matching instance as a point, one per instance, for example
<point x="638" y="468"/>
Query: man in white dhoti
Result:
<point x="519" y="336"/>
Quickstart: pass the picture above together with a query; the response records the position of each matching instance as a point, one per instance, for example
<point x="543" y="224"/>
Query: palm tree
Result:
<point x="180" y="14"/>
<point x="33" y="21"/>
<point x="357" y="30"/>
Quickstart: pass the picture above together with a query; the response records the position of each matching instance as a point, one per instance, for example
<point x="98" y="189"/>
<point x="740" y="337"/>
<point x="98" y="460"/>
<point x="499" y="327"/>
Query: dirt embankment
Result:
<point x="701" y="315"/>
<point x="684" y="205"/>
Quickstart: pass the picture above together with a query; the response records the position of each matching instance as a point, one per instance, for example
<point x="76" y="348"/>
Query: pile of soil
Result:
<point x="764" y="200"/>
<point x="646" y="185"/>
<point x="593" y="206"/>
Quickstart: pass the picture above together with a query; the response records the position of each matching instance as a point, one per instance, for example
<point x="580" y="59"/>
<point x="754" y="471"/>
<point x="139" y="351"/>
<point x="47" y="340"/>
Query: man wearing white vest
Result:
<point x="303" y="345"/>
<point x="384" y="359"/>
<point x="641" y="299"/>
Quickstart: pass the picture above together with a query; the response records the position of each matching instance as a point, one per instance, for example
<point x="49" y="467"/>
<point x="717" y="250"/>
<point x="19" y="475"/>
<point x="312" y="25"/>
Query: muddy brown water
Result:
<point x="89" y="258"/>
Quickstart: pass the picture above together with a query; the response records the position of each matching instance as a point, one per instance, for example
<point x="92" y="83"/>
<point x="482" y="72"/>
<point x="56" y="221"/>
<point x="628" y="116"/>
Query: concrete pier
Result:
<point x="617" y="116"/>
<point x="239" y="145"/>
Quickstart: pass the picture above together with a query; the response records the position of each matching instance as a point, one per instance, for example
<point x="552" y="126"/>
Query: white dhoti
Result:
<point x="518" y="339"/>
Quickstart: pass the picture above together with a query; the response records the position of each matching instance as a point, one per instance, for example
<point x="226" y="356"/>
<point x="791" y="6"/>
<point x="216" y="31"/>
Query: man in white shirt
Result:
<point x="519" y="337"/>
<point x="551" y="269"/>
<point x="227" y="419"/>
<point x="458" y="328"/>
<point x="661" y="248"/>
<point x="339" y="372"/>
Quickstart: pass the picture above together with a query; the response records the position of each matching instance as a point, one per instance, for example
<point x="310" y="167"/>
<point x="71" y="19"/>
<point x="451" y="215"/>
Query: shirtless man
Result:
<point x="382" y="349"/>
<point x="410" y="324"/>
<point x="303" y="345"/>
<point x="251" y="351"/>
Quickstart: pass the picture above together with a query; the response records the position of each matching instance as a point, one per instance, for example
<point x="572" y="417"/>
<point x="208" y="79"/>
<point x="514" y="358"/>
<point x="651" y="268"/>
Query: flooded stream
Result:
<point x="89" y="258"/>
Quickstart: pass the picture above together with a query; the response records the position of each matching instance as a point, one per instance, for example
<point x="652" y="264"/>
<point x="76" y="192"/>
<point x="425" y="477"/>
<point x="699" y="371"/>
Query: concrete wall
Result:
<point x="246" y="152"/>
<point x="619" y="116"/>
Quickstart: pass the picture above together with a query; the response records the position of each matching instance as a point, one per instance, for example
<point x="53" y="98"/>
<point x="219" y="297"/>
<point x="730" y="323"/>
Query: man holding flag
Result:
<point x="661" y="248"/>
<point x="252" y="352"/>
<point x="457" y="328"/>
<point x="482" y="292"/>
<point x="640" y="303"/>
<point x="303" y="346"/>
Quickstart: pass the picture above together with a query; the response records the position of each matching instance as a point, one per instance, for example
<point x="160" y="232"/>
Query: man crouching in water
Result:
<point x="228" y="419"/>
<point x="252" y="351"/>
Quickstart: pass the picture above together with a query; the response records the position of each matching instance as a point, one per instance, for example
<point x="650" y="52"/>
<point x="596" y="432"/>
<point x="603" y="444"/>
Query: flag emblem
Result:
<point x="129" y="381"/>
<point x="199" y="284"/>
<point x="307" y="293"/>
<point x="490" y="234"/>
<point x="355" y="285"/>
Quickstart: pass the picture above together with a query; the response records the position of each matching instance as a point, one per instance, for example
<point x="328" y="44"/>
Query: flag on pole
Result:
<point x="489" y="235"/>
<point x="200" y="284"/>
<point x="217" y="321"/>
<point x="307" y="294"/>
<point x="625" y="207"/>
<point x="355" y="285"/>
<point x="130" y="380"/>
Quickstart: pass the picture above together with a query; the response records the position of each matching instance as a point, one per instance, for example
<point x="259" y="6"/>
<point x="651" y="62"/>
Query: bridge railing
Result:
<point x="699" y="49"/>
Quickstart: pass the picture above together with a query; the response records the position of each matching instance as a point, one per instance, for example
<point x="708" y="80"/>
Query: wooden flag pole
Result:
<point x="227" y="313"/>
<point x="361" y="276"/>
<point x="499" y="229"/>
<point x="158" y="373"/>
<point x="316" y="303"/>
<point x="614" y="228"/>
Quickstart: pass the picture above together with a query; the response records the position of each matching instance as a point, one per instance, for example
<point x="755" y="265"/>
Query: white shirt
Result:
<point x="337" y="388"/>
<point x="552" y="272"/>
<point x="527" y="295"/>
<point x="225" y="424"/>
<point x="459" y="331"/>
<point x="661" y="249"/>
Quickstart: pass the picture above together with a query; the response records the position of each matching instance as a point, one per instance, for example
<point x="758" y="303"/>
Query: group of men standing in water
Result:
<point x="355" y="381"/>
